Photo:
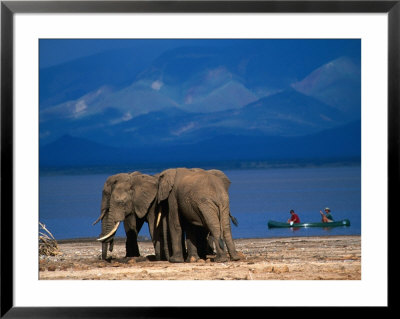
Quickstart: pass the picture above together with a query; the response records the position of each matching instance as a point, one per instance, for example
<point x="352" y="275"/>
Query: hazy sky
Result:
<point x="57" y="51"/>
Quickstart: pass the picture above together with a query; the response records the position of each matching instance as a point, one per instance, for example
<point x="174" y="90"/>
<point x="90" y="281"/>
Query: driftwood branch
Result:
<point x="47" y="243"/>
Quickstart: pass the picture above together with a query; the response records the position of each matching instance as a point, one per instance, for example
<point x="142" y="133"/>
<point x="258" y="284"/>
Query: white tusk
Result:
<point x="158" y="219"/>
<point x="111" y="233"/>
<point x="98" y="219"/>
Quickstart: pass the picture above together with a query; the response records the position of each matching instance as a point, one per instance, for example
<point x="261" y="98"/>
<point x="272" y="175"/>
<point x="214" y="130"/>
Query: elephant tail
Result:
<point x="234" y="220"/>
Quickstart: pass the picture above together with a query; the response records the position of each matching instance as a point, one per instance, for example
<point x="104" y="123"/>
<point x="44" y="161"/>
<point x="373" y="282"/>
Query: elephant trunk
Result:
<point x="107" y="222"/>
<point x="109" y="228"/>
<point x="110" y="234"/>
<point x="104" y="247"/>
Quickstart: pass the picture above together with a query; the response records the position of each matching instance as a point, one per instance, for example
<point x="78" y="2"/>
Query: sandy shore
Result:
<point x="294" y="258"/>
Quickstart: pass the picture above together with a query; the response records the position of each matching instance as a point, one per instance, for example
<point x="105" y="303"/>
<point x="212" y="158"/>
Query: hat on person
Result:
<point x="328" y="209"/>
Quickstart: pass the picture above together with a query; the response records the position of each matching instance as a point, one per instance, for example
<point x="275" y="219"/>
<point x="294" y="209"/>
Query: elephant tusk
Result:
<point x="111" y="233"/>
<point x="158" y="219"/>
<point x="100" y="218"/>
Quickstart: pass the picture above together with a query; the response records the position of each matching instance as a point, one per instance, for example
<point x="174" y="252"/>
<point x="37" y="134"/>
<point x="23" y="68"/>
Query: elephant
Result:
<point x="129" y="197"/>
<point x="200" y="245"/>
<point x="200" y="242"/>
<point x="197" y="198"/>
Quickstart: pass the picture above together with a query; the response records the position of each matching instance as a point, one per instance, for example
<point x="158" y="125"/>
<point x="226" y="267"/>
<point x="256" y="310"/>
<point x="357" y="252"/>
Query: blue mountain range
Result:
<point x="244" y="100"/>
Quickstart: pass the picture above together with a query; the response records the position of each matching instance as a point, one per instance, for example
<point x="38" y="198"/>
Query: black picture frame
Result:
<point x="9" y="8"/>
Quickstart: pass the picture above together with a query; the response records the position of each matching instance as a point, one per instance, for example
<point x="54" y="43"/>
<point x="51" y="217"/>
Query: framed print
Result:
<point x="255" y="141"/>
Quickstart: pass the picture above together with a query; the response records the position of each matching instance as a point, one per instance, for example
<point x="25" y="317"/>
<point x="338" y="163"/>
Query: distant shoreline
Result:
<point x="145" y="239"/>
<point x="94" y="239"/>
<point x="223" y="165"/>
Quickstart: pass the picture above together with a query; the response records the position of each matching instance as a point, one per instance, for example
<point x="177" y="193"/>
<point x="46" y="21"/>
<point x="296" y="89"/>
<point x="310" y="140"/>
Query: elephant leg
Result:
<point x="166" y="244"/>
<point x="210" y="213"/>
<point x="204" y="243"/>
<point x="175" y="231"/>
<point x="227" y="232"/>
<point x="130" y="225"/>
<point x="154" y="229"/>
<point x="200" y="245"/>
<point x="184" y="248"/>
<point x="160" y="241"/>
<point x="157" y="243"/>
<point x="192" y="243"/>
<point x="210" y="244"/>
<point x="220" y="253"/>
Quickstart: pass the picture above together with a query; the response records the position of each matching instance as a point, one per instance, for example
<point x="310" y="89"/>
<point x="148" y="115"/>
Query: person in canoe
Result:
<point x="327" y="216"/>
<point x="294" y="219"/>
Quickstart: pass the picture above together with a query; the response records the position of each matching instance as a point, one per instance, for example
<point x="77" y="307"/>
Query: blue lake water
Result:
<point x="69" y="204"/>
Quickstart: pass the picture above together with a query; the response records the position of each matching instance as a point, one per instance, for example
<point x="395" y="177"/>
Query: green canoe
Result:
<point x="275" y="224"/>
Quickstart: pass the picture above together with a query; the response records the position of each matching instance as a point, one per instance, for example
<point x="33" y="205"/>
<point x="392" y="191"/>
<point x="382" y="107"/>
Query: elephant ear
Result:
<point x="144" y="191"/>
<point x="225" y="180"/>
<point x="165" y="183"/>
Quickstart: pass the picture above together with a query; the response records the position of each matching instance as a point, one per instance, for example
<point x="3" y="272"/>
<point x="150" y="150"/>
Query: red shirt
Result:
<point x="295" y="219"/>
